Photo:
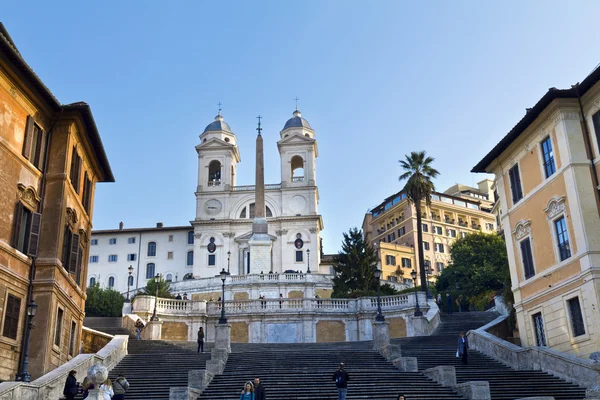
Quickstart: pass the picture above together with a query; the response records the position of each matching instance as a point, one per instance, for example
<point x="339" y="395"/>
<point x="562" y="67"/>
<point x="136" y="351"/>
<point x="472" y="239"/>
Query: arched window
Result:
<point x="169" y="278"/>
<point x="269" y="213"/>
<point x="297" y="169"/>
<point x="130" y="280"/>
<point x="214" y="173"/>
<point x="111" y="282"/>
<point x="152" y="249"/>
<point x="191" y="237"/>
<point x="92" y="281"/>
<point x="190" y="258"/>
<point x="252" y="208"/>
<point x="243" y="214"/>
<point x="150" y="271"/>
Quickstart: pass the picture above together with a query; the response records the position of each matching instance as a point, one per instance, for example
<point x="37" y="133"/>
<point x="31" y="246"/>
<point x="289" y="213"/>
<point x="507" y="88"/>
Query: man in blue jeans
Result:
<point x="341" y="379"/>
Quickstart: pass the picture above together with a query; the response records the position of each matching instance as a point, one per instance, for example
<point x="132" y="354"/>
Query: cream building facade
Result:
<point x="546" y="171"/>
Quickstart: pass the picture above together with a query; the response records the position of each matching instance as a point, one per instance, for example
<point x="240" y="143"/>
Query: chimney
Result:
<point x="159" y="224"/>
<point x="121" y="225"/>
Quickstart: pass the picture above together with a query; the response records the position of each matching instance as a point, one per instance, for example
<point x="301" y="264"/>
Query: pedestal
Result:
<point x="126" y="308"/>
<point x="97" y="375"/>
<point x="260" y="253"/>
<point x="223" y="337"/>
<point x="381" y="335"/>
<point x="152" y="331"/>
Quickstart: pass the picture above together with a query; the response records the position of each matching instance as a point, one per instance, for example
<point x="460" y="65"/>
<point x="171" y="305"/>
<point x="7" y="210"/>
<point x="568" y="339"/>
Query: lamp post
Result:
<point x="418" y="312"/>
<point x="130" y="270"/>
<point x="228" y="257"/>
<point x="156" y="280"/>
<point x="24" y="376"/>
<point x="377" y="275"/>
<point x="223" y="319"/>
<point x="428" y="273"/>
<point x="308" y="257"/>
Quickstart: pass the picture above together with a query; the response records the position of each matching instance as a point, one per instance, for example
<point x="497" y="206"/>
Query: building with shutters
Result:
<point x="51" y="158"/>
<point x="546" y="175"/>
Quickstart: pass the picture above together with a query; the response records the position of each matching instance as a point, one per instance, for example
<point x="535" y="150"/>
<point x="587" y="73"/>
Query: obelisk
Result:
<point x="260" y="242"/>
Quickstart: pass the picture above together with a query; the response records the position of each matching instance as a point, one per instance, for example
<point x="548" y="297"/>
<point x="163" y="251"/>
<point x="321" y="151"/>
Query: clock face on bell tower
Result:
<point x="213" y="207"/>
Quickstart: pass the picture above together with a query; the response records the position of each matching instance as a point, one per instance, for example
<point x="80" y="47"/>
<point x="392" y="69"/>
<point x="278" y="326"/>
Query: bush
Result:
<point x="103" y="302"/>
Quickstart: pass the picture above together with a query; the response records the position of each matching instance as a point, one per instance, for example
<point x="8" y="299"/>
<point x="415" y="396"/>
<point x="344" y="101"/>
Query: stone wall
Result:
<point x="93" y="341"/>
<point x="295" y="294"/>
<point x="397" y="327"/>
<point x="241" y="296"/>
<point x="174" y="331"/>
<point x="239" y="332"/>
<point x="331" y="331"/>
<point x="206" y="296"/>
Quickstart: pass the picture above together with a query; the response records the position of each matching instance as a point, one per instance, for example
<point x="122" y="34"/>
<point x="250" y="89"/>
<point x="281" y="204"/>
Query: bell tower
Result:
<point x="298" y="152"/>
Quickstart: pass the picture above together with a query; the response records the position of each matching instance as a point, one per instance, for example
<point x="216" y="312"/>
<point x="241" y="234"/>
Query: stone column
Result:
<point x="381" y="335"/>
<point x="223" y="337"/>
<point x="152" y="331"/>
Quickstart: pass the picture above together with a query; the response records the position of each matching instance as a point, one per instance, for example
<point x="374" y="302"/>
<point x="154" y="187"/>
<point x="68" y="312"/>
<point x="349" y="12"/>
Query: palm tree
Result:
<point x="418" y="174"/>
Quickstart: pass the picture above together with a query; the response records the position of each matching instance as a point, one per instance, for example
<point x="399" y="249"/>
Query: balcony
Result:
<point x="249" y="188"/>
<point x="297" y="179"/>
<point x="462" y="223"/>
<point x="450" y="221"/>
<point x="214" y="183"/>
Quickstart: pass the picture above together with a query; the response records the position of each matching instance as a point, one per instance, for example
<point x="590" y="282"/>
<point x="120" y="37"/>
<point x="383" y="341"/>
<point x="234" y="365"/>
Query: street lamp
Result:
<point x="308" y="257"/>
<point x="418" y="312"/>
<point x="24" y="376"/>
<point x="130" y="269"/>
<point x="428" y="273"/>
<point x="228" y="257"/>
<point x="223" y="319"/>
<point x="377" y="275"/>
<point x="156" y="280"/>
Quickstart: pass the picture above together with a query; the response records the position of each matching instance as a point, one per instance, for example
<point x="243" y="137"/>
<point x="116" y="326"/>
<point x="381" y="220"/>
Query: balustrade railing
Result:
<point x="248" y="188"/>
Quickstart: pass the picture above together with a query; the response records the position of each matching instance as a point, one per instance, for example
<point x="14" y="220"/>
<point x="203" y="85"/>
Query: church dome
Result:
<point x="218" y="125"/>
<point x="297" y="121"/>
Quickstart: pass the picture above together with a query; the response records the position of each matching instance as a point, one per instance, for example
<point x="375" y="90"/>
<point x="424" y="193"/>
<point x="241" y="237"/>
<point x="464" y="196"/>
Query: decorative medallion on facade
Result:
<point x="522" y="229"/>
<point x="211" y="246"/>
<point x="71" y="216"/>
<point x="555" y="207"/>
<point x="29" y="196"/>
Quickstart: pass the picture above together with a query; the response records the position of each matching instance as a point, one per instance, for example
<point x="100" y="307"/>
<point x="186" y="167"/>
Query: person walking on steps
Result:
<point x="463" y="348"/>
<point x="259" y="390"/>
<point x="200" y="340"/>
<point x="71" y="387"/>
<point x="120" y="386"/>
<point x="248" y="392"/>
<point x="341" y="379"/>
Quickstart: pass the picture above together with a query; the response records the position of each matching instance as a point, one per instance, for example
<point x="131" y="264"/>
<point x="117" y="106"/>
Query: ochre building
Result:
<point x="546" y="171"/>
<point x="51" y="158"/>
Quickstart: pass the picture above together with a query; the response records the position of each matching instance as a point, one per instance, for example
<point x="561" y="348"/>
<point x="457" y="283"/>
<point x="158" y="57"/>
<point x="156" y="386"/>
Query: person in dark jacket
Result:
<point x="463" y="348"/>
<point x="120" y="387"/>
<point x="341" y="379"/>
<point x="201" y="340"/>
<point x="71" y="387"/>
<point x="259" y="390"/>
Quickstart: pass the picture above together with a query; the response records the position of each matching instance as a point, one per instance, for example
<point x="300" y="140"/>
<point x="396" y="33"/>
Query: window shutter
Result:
<point x="17" y="224"/>
<point x="79" y="262"/>
<point x="74" y="254"/>
<point x="28" y="142"/>
<point x="34" y="234"/>
<point x="42" y="150"/>
<point x="77" y="177"/>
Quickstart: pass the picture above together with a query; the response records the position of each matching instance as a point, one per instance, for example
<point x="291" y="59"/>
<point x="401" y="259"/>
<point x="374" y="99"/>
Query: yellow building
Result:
<point x="546" y="172"/>
<point x="394" y="222"/>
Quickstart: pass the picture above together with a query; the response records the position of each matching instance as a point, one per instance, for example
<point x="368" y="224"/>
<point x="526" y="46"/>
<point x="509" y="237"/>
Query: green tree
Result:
<point x="164" y="288"/>
<point x="418" y="174"/>
<point x="103" y="302"/>
<point x="479" y="269"/>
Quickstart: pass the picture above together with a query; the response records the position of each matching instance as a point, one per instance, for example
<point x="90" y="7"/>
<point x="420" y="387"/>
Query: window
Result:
<point x="489" y="226"/>
<point x="150" y="271"/>
<point x="112" y="241"/>
<point x="130" y="280"/>
<point x="87" y="192"/>
<point x="93" y="259"/>
<point x="34" y="145"/>
<point x="549" y="166"/>
<point x="437" y="230"/>
<point x="243" y="214"/>
<point x="212" y="259"/>
<point x="94" y="242"/>
<point x="131" y="240"/>
<point x="72" y="338"/>
<point x="169" y="255"/>
<point x="596" y="121"/>
<point x="452" y="233"/>
<point x="111" y="282"/>
<point x="538" y="327"/>
<point x="390" y="260"/>
<point x="564" y="250"/>
<point x="191" y="237"/>
<point x="515" y="184"/>
<point x="170" y="238"/>
<point x="152" y="249"/>
<point x="131" y="257"/>
<point x="75" y="171"/>
<point x="112" y="258"/>
<point x="577" y="325"/>
<point x="440" y="266"/>
<point x="11" y="317"/>
<point x="427" y="264"/>
<point x="169" y="278"/>
<point x="26" y="230"/>
<point x="425" y="246"/>
<point x="439" y="247"/>
<point x="527" y="257"/>
<point x="190" y="258"/>
<point x="92" y="281"/>
<point x="463" y="235"/>
<point x="406" y="263"/>
<point x="299" y="256"/>
<point x="79" y="269"/>
<point x="58" y="326"/>
<point x="71" y="259"/>
<point x="401" y="231"/>
<point x="425" y="227"/>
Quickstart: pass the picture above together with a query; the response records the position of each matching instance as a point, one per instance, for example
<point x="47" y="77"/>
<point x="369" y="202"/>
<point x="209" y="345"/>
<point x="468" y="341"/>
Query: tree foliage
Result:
<point x="103" y="302"/>
<point x="478" y="271"/>
<point x="164" y="288"/>
<point x="354" y="268"/>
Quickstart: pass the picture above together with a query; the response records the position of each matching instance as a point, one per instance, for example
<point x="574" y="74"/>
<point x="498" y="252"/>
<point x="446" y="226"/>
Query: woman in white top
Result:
<point x="107" y="389"/>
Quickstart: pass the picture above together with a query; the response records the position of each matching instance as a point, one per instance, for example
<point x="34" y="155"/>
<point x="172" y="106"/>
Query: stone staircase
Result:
<point x="505" y="383"/>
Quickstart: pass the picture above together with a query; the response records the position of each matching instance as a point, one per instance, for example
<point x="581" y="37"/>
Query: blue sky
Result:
<point x="375" y="79"/>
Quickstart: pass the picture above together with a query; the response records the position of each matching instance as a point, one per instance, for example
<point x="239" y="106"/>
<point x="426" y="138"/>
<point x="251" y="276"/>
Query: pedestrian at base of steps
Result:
<point x="71" y="387"/>
<point x="259" y="390"/>
<point x="86" y="386"/>
<point x="120" y="386"/>
<point x="248" y="392"/>
<point x="463" y="348"/>
<point x="201" y="340"/>
<point x="107" y="389"/>
<point x="401" y="397"/>
<point x="341" y="379"/>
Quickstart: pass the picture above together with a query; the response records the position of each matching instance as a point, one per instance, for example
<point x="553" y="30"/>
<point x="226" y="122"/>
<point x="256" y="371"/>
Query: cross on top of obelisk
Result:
<point x="296" y="98"/>
<point x="259" y="129"/>
<point x="219" y="104"/>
